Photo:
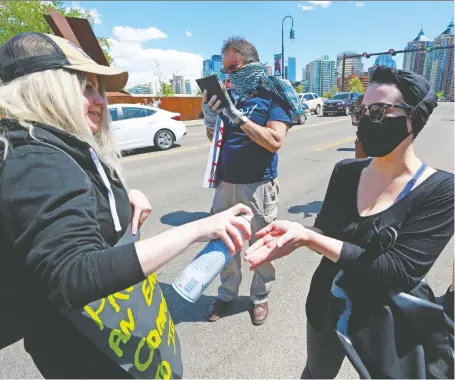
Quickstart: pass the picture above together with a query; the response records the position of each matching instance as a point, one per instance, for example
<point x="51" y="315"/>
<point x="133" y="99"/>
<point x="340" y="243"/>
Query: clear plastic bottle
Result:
<point x="199" y="273"/>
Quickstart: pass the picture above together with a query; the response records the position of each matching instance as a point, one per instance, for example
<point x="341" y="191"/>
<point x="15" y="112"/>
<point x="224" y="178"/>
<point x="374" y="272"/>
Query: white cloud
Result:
<point x="359" y="4"/>
<point x="314" y="5"/>
<point x="128" y="34"/>
<point x="93" y="12"/>
<point x="147" y="64"/>
<point x="306" y="7"/>
<point x="188" y="34"/>
<point x="323" y="4"/>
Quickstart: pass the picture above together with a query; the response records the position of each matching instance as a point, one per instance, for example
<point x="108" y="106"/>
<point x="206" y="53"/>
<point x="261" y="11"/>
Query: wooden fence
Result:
<point x="189" y="107"/>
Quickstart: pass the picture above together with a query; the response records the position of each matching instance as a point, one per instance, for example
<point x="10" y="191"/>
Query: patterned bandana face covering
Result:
<point x="253" y="75"/>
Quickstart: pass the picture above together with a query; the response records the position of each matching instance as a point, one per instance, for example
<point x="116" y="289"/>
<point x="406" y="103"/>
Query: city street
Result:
<point x="232" y="347"/>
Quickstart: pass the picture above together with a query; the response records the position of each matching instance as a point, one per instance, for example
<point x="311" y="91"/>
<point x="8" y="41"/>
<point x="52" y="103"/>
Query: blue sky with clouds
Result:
<point x="178" y="35"/>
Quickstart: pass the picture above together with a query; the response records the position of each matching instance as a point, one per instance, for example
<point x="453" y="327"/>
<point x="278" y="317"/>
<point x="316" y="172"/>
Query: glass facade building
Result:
<point x="292" y="69"/>
<point x="321" y="75"/>
<point x="382" y="60"/>
<point x="213" y="66"/>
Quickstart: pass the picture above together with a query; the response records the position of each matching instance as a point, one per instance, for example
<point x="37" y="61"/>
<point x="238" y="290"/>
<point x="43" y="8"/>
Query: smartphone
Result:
<point x="214" y="86"/>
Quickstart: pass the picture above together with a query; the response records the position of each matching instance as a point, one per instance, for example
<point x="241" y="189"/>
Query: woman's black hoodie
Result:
<point x="57" y="236"/>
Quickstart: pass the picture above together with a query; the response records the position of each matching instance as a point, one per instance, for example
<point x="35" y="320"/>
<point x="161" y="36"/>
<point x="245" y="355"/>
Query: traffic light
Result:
<point x="428" y="49"/>
<point x="292" y="34"/>
<point x="366" y="55"/>
<point x="392" y="52"/>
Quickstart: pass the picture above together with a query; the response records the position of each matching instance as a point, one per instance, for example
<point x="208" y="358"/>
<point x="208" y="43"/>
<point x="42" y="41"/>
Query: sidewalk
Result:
<point x="194" y="123"/>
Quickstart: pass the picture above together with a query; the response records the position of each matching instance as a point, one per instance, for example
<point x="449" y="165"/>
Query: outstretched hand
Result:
<point x="278" y="239"/>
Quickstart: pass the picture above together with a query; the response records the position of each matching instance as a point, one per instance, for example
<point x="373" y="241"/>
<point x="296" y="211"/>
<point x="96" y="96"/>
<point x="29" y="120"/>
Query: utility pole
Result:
<point x="342" y="72"/>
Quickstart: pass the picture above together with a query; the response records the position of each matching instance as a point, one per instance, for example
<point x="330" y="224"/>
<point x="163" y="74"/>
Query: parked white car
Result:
<point x="136" y="126"/>
<point x="314" y="101"/>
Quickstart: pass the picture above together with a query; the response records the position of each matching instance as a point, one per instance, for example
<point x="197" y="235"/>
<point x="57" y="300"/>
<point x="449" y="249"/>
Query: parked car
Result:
<point x="314" y="101"/>
<point x="301" y="119"/>
<point x="136" y="126"/>
<point x="340" y="103"/>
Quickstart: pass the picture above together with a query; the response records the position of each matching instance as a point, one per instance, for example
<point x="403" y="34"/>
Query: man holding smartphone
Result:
<point x="254" y="127"/>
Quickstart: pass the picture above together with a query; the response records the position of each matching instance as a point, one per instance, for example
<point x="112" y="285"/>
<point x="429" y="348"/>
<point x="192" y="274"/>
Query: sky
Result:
<point x="166" y="37"/>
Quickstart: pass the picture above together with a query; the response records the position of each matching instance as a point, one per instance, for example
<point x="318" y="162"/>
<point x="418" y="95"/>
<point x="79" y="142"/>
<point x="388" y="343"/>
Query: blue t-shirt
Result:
<point x="241" y="159"/>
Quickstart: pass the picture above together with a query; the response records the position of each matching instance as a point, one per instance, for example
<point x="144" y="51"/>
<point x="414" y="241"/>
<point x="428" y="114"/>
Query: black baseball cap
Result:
<point x="31" y="52"/>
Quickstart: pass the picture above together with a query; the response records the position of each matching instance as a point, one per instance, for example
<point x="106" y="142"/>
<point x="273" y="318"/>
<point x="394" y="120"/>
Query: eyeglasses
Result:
<point x="376" y="111"/>
<point x="233" y="68"/>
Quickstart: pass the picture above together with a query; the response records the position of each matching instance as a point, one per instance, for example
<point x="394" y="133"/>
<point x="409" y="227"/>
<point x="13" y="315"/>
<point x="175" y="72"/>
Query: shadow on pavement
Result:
<point x="150" y="149"/>
<point x="308" y="209"/>
<point x="184" y="311"/>
<point x="346" y="149"/>
<point x="179" y="218"/>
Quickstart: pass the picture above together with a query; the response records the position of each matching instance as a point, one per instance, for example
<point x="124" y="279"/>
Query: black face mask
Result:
<point x="381" y="139"/>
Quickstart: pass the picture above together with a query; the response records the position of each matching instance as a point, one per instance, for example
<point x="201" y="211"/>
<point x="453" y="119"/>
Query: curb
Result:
<point x="194" y="123"/>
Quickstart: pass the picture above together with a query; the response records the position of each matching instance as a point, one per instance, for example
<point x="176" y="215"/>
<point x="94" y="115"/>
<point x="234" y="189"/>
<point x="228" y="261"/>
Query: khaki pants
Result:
<point x="262" y="198"/>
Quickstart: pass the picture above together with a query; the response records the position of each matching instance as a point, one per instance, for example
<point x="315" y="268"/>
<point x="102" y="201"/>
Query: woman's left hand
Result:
<point x="141" y="209"/>
<point x="278" y="239"/>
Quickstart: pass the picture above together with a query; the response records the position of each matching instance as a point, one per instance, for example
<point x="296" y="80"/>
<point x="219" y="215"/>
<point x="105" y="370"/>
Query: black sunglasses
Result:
<point x="232" y="68"/>
<point x="376" y="111"/>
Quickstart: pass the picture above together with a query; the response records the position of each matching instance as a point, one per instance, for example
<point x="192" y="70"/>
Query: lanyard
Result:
<point x="411" y="183"/>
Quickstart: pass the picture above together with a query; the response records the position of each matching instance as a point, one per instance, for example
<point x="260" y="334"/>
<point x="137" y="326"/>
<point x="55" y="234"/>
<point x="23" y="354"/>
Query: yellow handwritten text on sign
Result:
<point x="119" y="337"/>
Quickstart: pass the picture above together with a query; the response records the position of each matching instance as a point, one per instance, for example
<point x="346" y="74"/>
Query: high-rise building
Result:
<point x="292" y="69"/>
<point x="305" y="85"/>
<point x="435" y="65"/>
<point x="304" y="74"/>
<point x="352" y="65"/>
<point x="213" y="66"/>
<point x="416" y="61"/>
<point x="286" y="72"/>
<point x="321" y="75"/>
<point x="440" y="75"/>
<point x="188" y="87"/>
<point x="178" y="84"/>
<point x="206" y="67"/>
<point x="383" y="60"/>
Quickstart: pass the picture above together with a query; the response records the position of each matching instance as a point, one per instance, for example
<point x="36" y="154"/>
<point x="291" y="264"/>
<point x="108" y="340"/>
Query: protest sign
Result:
<point x="134" y="328"/>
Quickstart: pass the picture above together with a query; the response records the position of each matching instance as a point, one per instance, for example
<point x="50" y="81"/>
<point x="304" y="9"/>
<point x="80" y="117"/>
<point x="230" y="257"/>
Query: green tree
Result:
<point x="330" y="93"/>
<point x="299" y="89"/>
<point x="166" y="89"/>
<point x="198" y="93"/>
<point x="440" y="94"/>
<point x="28" y="16"/>
<point x="355" y="84"/>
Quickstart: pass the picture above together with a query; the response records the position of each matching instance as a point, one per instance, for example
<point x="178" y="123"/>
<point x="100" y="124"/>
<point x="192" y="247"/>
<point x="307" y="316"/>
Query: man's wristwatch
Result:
<point x="241" y="120"/>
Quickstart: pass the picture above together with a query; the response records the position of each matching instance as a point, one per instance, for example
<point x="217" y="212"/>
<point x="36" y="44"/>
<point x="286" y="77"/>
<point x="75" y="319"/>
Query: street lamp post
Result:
<point x="291" y="37"/>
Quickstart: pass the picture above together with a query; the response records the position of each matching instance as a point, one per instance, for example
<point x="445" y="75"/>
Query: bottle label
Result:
<point x="195" y="278"/>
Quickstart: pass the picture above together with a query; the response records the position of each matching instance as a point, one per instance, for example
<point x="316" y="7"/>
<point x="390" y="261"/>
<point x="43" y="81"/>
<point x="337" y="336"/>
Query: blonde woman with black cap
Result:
<point x="64" y="206"/>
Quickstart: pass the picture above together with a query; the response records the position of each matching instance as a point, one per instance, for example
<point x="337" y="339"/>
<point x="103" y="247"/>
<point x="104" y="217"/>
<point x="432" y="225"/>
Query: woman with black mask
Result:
<point x="383" y="224"/>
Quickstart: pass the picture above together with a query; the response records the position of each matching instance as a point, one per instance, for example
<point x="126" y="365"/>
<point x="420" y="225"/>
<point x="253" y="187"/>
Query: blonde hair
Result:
<point x="55" y="98"/>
